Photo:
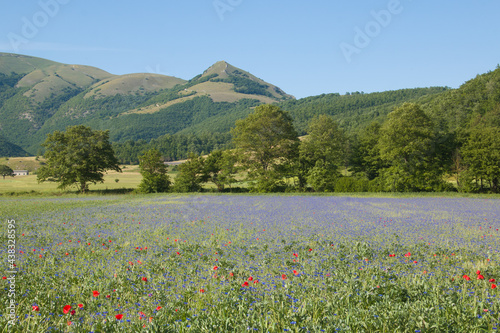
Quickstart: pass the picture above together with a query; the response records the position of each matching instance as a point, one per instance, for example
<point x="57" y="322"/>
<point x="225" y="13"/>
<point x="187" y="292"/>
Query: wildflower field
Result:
<point x="242" y="263"/>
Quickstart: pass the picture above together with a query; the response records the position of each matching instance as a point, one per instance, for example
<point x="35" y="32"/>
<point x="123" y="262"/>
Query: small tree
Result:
<point x="220" y="168"/>
<point x="154" y="173"/>
<point x="6" y="171"/>
<point x="191" y="175"/>
<point x="77" y="157"/>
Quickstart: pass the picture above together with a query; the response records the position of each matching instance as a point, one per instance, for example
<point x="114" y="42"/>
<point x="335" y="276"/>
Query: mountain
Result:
<point x="39" y="96"/>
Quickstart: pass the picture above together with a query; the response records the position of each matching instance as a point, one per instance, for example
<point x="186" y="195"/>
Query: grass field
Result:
<point x="238" y="263"/>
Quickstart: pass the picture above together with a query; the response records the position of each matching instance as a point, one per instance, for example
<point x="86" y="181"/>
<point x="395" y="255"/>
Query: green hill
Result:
<point x="8" y="149"/>
<point x="39" y="96"/>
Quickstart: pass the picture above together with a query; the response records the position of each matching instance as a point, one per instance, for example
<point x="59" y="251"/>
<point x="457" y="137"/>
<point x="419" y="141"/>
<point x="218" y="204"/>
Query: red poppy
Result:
<point x="408" y="254"/>
<point x="256" y="281"/>
<point x="283" y="277"/>
<point x="250" y="278"/>
<point x="119" y="316"/>
<point x="178" y="253"/>
<point x="202" y="290"/>
<point x="145" y="279"/>
<point x="4" y="277"/>
<point x="295" y="272"/>
<point x="296" y="255"/>
<point x="491" y="280"/>
<point x="466" y="277"/>
<point x="158" y="308"/>
<point x="493" y="286"/>
<point x="80" y="306"/>
<point x="95" y="293"/>
<point x="35" y="308"/>
<point x="216" y="268"/>
<point x="244" y="284"/>
<point x="478" y="272"/>
<point x="231" y="274"/>
<point x="67" y="308"/>
<point x="310" y="250"/>
<point x="108" y="296"/>
<point x="73" y="312"/>
<point x="480" y="277"/>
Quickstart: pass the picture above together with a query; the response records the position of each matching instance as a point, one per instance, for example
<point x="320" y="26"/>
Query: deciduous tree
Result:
<point x="77" y="157"/>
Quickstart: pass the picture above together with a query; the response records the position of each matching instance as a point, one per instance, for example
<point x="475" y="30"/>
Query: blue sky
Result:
<point x="305" y="47"/>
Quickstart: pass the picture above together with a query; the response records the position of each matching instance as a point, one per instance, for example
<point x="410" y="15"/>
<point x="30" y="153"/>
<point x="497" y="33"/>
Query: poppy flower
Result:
<point x="178" y="253"/>
<point x="80" y="306"/>
<point x="466" y="277"/>
<point x="73" y="312"/>
<point x="478" y="272"/>
<point x="216" y="268"/>
<point x="250" y="278"/>
<point x="310" y="250"/>
<point x="119" y="316"/>
<point x="256" y="281"/>
<point x="244" y="284"/>
<point x="231" y="274"/>
<point x="145" y="279"/>
<point x="480" y="277"/>
<point x="202" y="290"/>
<point x="296" y="255"/>
<point x="493" y="286"/>
<point x="95" y="293"/>
<point x="66" y="309"/>
<point x="408" y="254"/>
<point x="158" y="308"/>
<point x="283" y="277"/>
<point x="295" y="272"/>
<point x="35" y="308"/>
<point x="491" y="280"/>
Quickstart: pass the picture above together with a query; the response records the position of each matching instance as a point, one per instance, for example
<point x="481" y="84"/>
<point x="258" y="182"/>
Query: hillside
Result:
<point x="39" y="96"/>
<point x="8" y="149"/>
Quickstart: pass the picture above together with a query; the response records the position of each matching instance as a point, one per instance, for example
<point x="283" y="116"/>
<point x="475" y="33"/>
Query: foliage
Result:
<point x="406" y="145"/>
<point x="220" y="168"/>
<point x="5" y="170"/>
<point x="481" y="155"/>
<point x="266" y="141"/>
<point x="191" y="175"/>
<point x="77" y="157"/>
<point x="322" y="152"/>
<point x="154" y="173"/>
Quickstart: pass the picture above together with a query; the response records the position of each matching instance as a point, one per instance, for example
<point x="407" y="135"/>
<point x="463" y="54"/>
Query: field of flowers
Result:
<point x="221" y="263"/>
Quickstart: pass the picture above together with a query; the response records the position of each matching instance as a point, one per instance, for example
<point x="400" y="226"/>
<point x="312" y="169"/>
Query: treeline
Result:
<point x="172" y="147"/>
<point x="409" y="152"/>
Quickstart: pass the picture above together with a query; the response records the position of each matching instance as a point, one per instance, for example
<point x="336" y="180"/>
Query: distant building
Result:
<point x="21" y="172"/>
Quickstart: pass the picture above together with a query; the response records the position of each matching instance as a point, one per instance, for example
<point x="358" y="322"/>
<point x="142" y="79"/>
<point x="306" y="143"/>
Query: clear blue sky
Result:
<point x="304" y="47"/>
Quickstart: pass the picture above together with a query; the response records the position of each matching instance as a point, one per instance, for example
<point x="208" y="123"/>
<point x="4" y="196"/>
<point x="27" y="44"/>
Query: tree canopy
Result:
<point x="77" y="157"/>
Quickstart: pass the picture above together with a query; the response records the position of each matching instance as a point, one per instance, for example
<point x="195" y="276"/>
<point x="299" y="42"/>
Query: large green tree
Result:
<point x="407" y="146"/>
<point x="322" y="152"/>
<point x="5" y="170"/>
<point x="154" y="173"/>
<point x="78" y="157"/>
<point x="366" y="159"/>
<point x="481" y="152"/>
<point x="267" y="144"/>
